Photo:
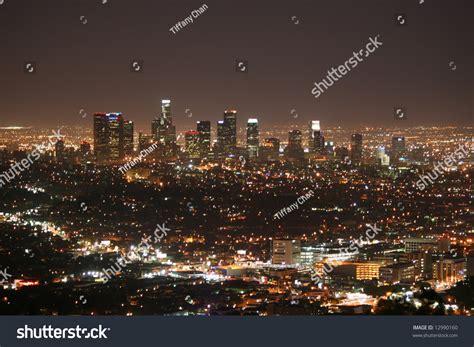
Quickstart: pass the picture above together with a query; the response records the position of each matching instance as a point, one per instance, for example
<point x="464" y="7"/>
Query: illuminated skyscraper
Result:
<point x="193" y="144"/>
<point x="127" y="138"/>
<point x="230" y="132"/>
<point x="101" y="137"/>
<point x="398" y="150"/>
<point x="356" y="149"/>
<point x="252" y="138"/>
<point x="316" y="138"/>
<point x="220" y="139"/>
<point x="115" y="124"/>
<point x="111" y="138"/>
<point x="164" y="132"/>
<point x="204" y="127"/>
<point x="59" y="151"/>
<point x="85" y="152"/>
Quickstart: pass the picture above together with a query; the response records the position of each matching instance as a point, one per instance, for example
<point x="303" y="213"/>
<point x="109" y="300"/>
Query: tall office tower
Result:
<point x="163" y="130"/>
<point x="270" y="149"/>
<point x="193" y="144"/>
<point x="286" y="252"/>
<point x="204" y="127"/>
<point x="154" y="128"/>
<point x="115" y="124"/>
<point x="356" y="149"/>
<point x="109" y="138"/>
<point x="220" y="139"/>
<point x="252" y="138"/>
<point x="128" y="143"/>
<point x="230" y="132"/>
<point x="144" y="141"/>
<point x="59" y="151"/>
<point x="101" y="137"/>
<point x="316" y="138"/>
<point x="294" y="150"/>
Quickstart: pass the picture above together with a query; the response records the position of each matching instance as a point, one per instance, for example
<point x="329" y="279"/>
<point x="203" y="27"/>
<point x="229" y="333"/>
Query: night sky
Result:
<point x="87" y="66"/>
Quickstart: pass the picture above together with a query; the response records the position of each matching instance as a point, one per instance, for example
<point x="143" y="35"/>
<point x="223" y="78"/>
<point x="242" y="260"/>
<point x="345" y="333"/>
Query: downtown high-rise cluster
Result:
<point x="114" y="141"/>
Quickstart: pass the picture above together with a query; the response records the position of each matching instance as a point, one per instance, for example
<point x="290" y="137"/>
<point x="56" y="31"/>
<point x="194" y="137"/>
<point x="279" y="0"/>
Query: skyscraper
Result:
<point x="316" y="138"/>
<point x="115" y="125"/>
<point x="111" y="140"/>
<point x="230" y="132"/>
<point x="59" y="150"/>
<point x="85" y="152"/>
<point x="164" y="132"/>
<point x="294" y="150"/>
<point x="101" y="137"/>
<point x="356" y="149"/>
<point x="252" y="138"/>
<point x="204" y="127"/>
<point x="128" y="143"/>
<point x="398" y="149"/>
<point x="220" y="139"/>
<point x="193" y="144"/>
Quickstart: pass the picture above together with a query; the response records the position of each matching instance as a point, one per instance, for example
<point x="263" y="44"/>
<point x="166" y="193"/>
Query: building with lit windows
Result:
<point x="230" y="132"/>
<point x="204" y="127"/>
<point x="252" y="138"/>
<point x="356" y="149"/>
<point x="294" y="150"/>
<point x="113" y="137"/>
<point x="316" y="138"/>
<point x="449" y="270"/>
<point x="193" y="144"/>
<point x="397" y="273"/>
<point x="286" y="252"/>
